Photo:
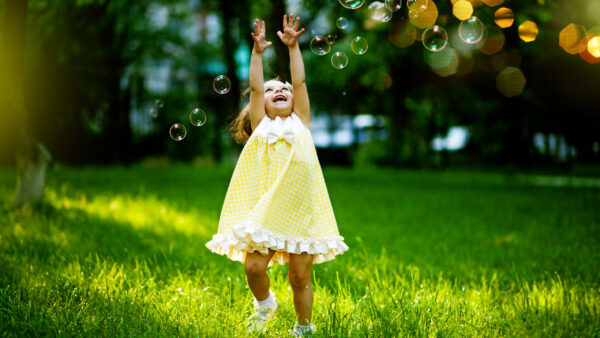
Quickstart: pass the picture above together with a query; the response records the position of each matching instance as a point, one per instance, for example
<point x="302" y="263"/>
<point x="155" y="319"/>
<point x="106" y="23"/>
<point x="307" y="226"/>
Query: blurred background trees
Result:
<point x="103" y="81"/>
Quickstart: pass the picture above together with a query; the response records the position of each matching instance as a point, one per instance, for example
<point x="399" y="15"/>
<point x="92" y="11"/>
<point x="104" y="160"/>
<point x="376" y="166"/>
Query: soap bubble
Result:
<point x="359" y="45"/>
<point x="435" y="38"/>
<point x="221" y="84"/>
<point x="471" y="30"/>
<point x="331" y="39"/>
<point x="352" y="4"/>
<point x="177" y="132"/>
<point x="319" y="45"/>
<point x="198" y="117"/>
<point x="339" y="60"/>
<point x="342" y="23"/>
<point x="393" y="5"/>
<point x="155" y="108"/>
<point x="378" y="12"/>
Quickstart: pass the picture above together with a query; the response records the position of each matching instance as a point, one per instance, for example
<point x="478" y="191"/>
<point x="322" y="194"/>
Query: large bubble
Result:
<point x="352" y="4"/>
<point x="435" y="38"/>
<point x="378" y="12"/>
<point x="339" y="60"/>
<point x="471" y="30"/>
<point x="319" y="45"/>
<point x="359" y="45"/>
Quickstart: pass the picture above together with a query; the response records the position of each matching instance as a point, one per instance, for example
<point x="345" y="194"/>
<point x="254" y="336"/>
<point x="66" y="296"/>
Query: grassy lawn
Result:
<point x="120" y="251"/>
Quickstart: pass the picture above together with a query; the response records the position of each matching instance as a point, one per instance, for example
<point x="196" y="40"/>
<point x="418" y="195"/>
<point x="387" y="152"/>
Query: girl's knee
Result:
<point x="254" y="269"/>
<point x="299" y="280"/>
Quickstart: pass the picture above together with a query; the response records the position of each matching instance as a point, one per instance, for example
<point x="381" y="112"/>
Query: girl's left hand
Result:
<point x="290" y="31"/>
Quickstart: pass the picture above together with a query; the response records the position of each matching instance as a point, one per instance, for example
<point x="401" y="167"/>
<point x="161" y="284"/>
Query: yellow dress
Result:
<point x="277" y="198"/>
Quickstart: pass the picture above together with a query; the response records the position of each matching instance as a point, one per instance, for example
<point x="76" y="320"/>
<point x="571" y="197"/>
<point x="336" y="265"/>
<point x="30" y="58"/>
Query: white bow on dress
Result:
<point x="280" y="130"/>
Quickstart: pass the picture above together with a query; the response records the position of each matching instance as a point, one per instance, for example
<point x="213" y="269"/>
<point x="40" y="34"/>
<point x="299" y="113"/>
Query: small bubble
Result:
<point x="339" y="60"/>
<point x="416" y="6"/>
<point x="435" y="38"/>
<point x="177" y="132"/>
<point x="471" y="30"/>
<point x="319" y="45"/>
<point x="342" y="23"/>
<point x="198" y="117"/>
<point x="331" y="39"/>
<point x="393" y="5"/>
<point x="359" y="45"/>
<point x="221" y="84"/>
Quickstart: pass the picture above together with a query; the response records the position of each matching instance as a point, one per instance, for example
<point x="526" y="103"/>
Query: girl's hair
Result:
<point x="240" y="128"/>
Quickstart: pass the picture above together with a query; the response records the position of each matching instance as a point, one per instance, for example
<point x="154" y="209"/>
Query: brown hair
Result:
<point x="240" y="128"/>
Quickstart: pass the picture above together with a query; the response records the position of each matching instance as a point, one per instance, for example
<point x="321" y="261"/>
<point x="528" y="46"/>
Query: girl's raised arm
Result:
<point x="257" y="89"/>
<point x="290" y="38"/>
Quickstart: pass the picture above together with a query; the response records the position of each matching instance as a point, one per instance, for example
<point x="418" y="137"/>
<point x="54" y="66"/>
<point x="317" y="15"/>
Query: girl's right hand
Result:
<point x="259" y="37"/>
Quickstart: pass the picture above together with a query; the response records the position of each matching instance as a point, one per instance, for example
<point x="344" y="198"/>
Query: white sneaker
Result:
<point x="258" y="320"/>
<point x="303" y="331"/>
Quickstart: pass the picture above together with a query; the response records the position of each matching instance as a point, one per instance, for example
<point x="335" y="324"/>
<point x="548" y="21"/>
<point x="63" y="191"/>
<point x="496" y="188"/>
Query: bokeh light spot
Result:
<point x="492" y="3"/>
<point x="510" y="82"/>
<point x="593" y="46"/>
<point x="435" y="38"/>
<point x="359" y="45"/>
<point x="177" y="132"/>
<point x="417" y="6"/>
<point x="426" y="18"/>
<point x="494" y="41"/>
<point x="339" y="60"/>
<point x="528" y="31"/>
<point x="452" y="67"/>
<point x="438" y="60"/>
<point x="221" y="84"/>
<point x="569" y="37"/>
<point x="504" y="17"/>
<point x="585" y="53"/>
<point x="462" y="10"/>
<point x="403" y="34"/>
<point x="198" y="117"/>
<point x="352" y="4"/>
<point x="319" y="45"/>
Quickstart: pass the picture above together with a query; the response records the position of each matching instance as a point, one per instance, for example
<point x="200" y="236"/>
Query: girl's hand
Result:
<point x="259" y="37"/>
<point x="290" y="31"/>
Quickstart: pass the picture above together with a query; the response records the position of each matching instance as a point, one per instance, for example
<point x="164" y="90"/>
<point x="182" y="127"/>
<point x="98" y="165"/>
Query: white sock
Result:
<point x="269" y="302"/>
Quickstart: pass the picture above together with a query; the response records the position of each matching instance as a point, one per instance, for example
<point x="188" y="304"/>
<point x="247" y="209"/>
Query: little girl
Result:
<point x="277" y="207"/>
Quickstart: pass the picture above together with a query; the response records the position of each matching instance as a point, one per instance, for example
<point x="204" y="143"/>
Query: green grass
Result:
<point x="120" y="251"/>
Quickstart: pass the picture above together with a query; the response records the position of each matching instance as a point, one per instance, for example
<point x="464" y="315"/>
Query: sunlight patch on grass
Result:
<point x="148" y="213"/>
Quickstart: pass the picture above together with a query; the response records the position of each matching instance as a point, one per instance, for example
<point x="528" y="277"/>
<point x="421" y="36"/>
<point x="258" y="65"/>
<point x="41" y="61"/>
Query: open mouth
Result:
<point x="280" y="98"/>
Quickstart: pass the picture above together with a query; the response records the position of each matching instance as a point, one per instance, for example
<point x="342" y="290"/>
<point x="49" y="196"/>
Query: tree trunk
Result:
<point x="32" y="157"/>
<point x="282" y="57"/>
<point x="31" y="176"/>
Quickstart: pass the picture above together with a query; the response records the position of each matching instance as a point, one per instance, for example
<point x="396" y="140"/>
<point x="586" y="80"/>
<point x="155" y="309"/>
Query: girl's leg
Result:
<point x="255" y="267"/>
<point x="299" y="275"/>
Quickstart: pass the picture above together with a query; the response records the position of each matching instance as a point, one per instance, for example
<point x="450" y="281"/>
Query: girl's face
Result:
<point x="279" y="99"/>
